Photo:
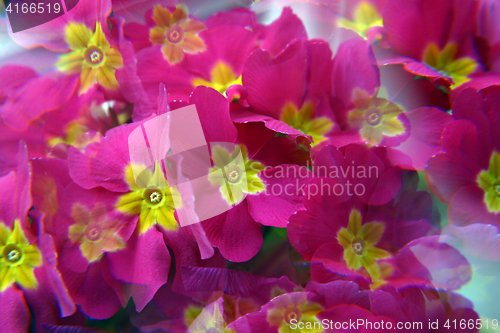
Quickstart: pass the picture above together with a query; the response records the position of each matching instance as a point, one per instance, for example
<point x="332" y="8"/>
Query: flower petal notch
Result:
<point x="169" y="154"/>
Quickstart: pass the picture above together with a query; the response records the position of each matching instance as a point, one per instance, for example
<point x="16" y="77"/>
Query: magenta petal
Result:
<point x="489" y="15"/>
<point x="391" y="304"/>
<point x="447" y="173"/>
<point x="283" y="195"/>
<point x="358" y="155"/>
<point x="186" y="252"/>
<point x="282" y="32"/>
<point x="340" y="292"/>
<point x="165" y="312"/>
<point x="401" y="20"/>
<point x="328" y="261"/>
<point x="137" y="34"/>
<point x="50" y="177"/>
<point x="35" y="98"/>
<point x="467" y="105"/>
<point x="344" y="138"/>
<point x="22" y="195"/>
<point x="280" y="150"/>
<point x="240" y="16"/>
<point x="72" y="257"/>
<point x="479" y="241"/>
<point x="354" y="67"/>
<point x="346" y="313"/>
<point x="213" y="110"/>
<point x="307" y="237"/>
<point x="8" y="211"/>
<point x="15" y="312"/>
<point x="141" y="294"/>
<point x="479" y="81"/>
<point x="467" y="206"/>
<point x="388" y="187"/>
<point x="423" y="69"/>
<point x="320" y="68"/>
<point x="235" y="233"/>
<point x="229" y="44"/>
<point x="91" y="292"/>
<point x="14" y="77"/>
<point x="153" y="69"/>
<point x="201" y="279"/>
<point x="405" y="89"/>
<point x="206" y="249"/>
<point x="103" y="163"/>
<point x="130" y="84"/>
<point x="433" y="263"/>
<point x="244" y="116"/>
<point x="144" y="261"/>
<point x="425" y="137"/>
<point x="46" y="245"/>
<point x="254" y="136"/>
<point x="273" y="81"/>
<point x="252" y="322"/>
<point x="15" y="189"/>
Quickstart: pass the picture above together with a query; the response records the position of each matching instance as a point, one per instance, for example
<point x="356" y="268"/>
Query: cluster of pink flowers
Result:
<point x="353" y="127"/>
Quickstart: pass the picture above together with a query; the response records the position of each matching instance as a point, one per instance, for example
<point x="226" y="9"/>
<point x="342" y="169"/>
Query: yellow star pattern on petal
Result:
<point x="154" y="202"/>
<point x="305" y="120"/>
<point x="94" y="232"/>
<point x="235" y="175"/>
<point x="18" y="258"/>
<point x="375" y="117"/>
<point x="222" y="77"/>
<point x="91" y="55"/>
<point x="489" y="181"/>
<point x="446" y="62"/>
<point x="176" y="33"/>
<point x="365" y="17"/>
<point x="359" y="243"/>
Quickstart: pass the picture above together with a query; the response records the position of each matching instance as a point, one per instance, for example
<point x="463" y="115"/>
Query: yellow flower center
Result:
<point x="373" y="117"/>
<point x="93" y="233"/>
<point x="94" y="55"/>
<point x="153" y="196"/>
<point x="305" y="120"/>
<point x="358" y="241"/>
<point x="233" y="176"/>
<point x="496" y="188"/>
<point x="489" y="181"/>
<point x="365" y="17"/>
<point x="447" y="63"/>
<point x="222" y="77"/>
<point x="18" y="258"/>
<point x="12" y="253"/>
<point x="357" y="246"/>
<point x="91" y="55"/>
<point x="174" y="34"/>
<point x="291" y="315"/>
<point x="288" y="312"/>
